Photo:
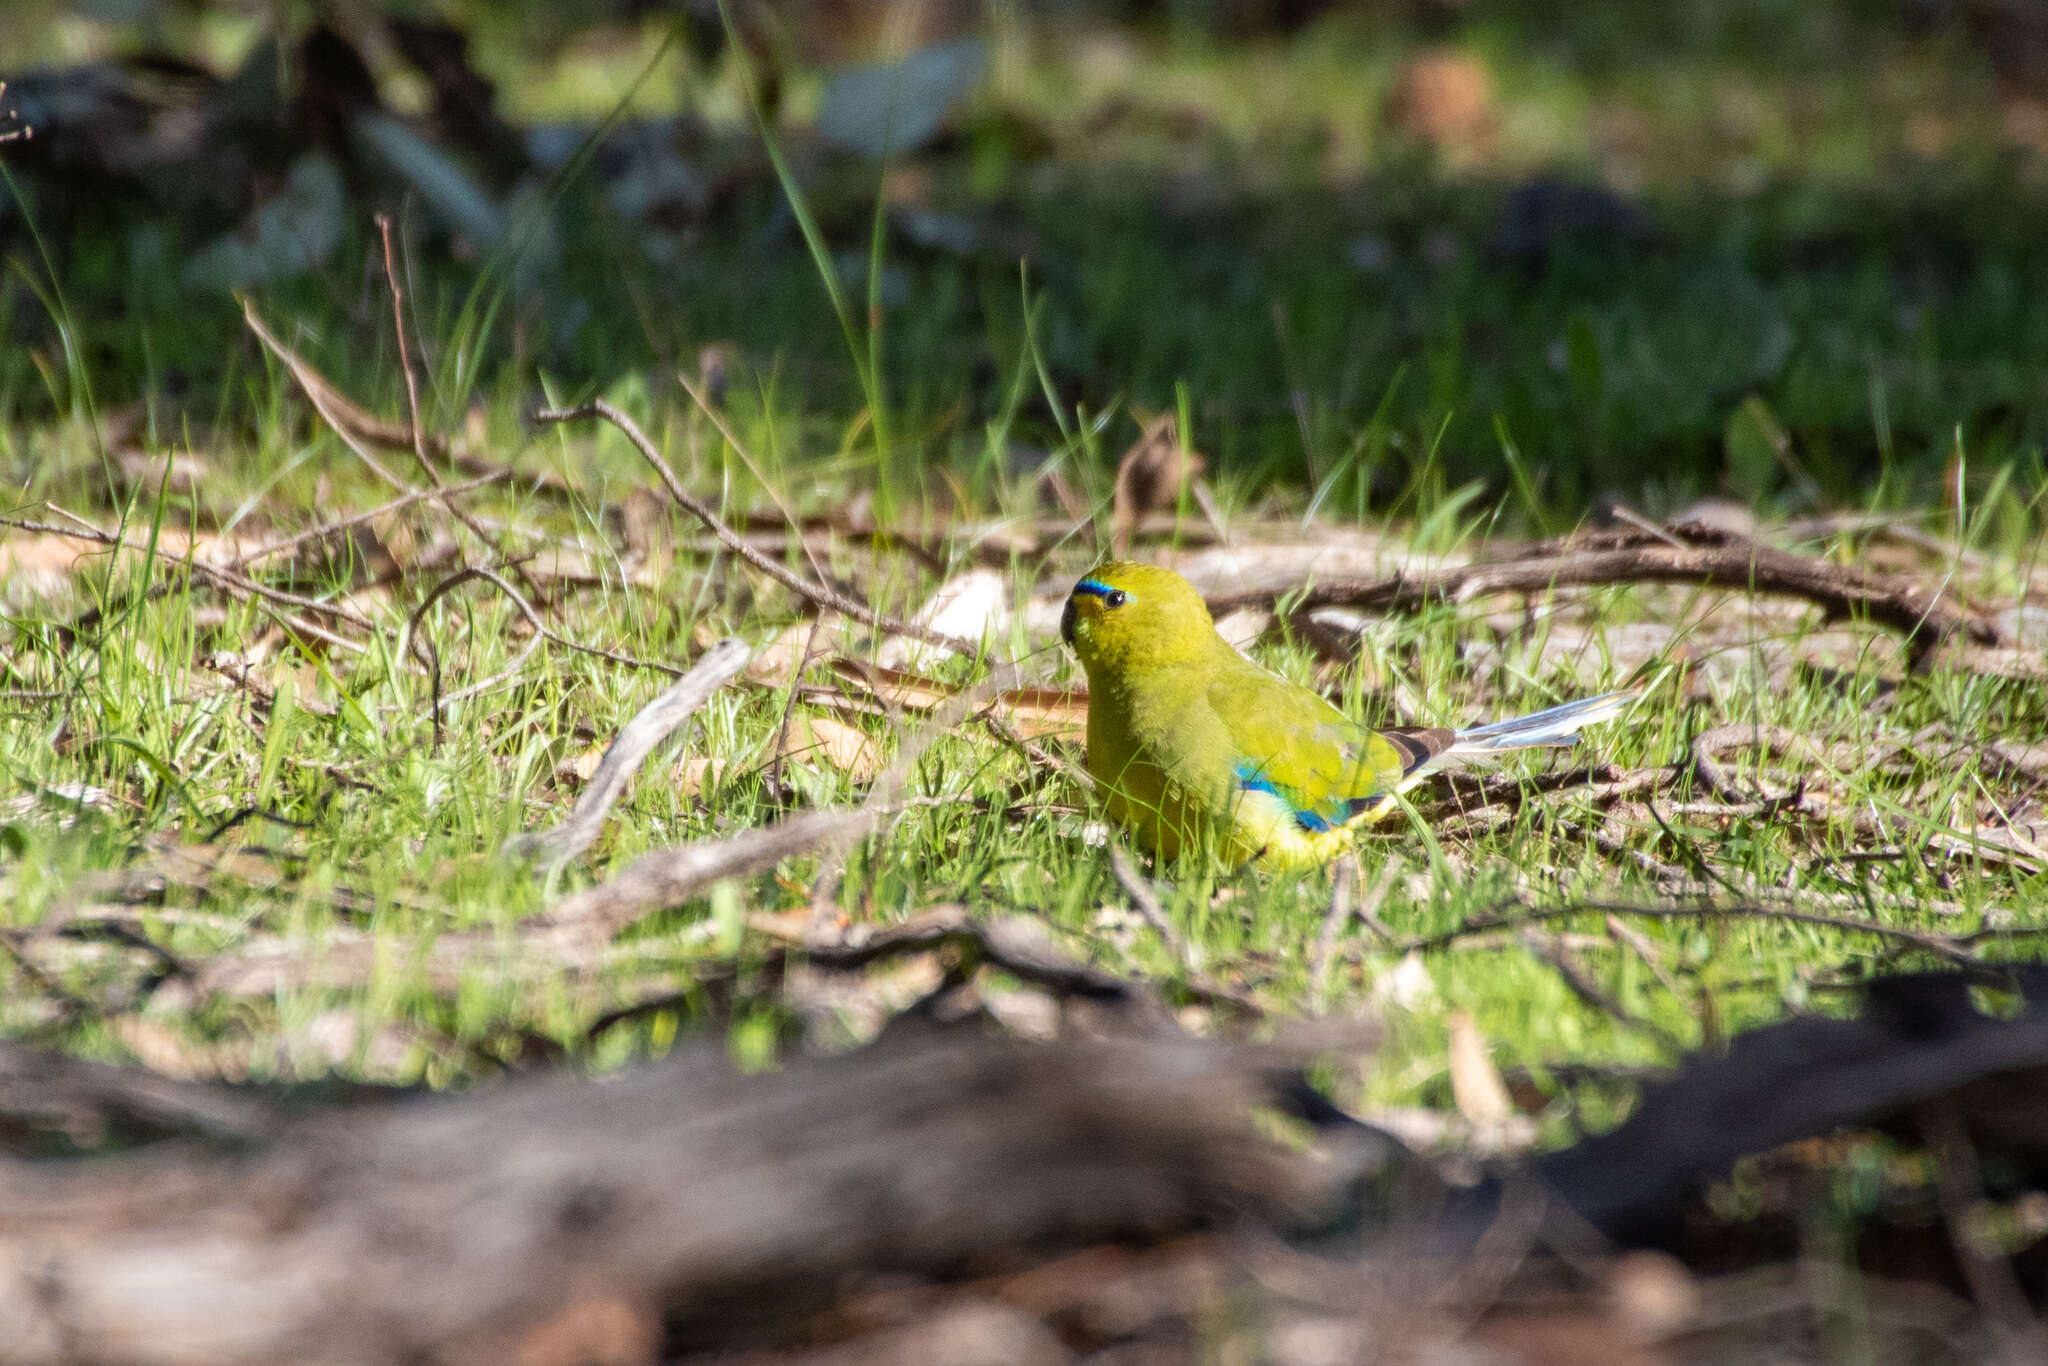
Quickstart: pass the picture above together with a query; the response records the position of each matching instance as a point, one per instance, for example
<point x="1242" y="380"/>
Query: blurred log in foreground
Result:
<point x="949" y="1196"/>
<point x="560" y="1220"/>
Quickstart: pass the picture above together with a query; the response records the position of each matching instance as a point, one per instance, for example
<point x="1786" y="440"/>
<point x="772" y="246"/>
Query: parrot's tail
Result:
<point x="1424" y="751"/>
<point x="1551" y="728"/>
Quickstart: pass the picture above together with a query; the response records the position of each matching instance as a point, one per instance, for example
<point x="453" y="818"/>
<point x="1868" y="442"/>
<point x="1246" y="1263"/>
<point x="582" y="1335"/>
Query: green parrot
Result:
<point x="1194" y="745"/>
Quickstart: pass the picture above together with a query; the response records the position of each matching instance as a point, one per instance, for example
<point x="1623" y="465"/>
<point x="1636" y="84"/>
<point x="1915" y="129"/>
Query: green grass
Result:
<point x="361" y="823"/>
<point x="1876" y="308"/>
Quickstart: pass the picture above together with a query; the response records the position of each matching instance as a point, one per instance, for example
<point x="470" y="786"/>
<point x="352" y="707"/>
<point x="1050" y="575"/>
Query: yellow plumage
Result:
<point x="1195" y="746"/>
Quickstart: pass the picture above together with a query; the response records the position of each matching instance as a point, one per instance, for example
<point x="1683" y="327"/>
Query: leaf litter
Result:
<point x="1859" y="797"/>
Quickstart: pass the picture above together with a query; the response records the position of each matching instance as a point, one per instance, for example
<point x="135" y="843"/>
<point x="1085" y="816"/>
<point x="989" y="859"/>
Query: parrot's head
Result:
<point x="1125" y="617"/>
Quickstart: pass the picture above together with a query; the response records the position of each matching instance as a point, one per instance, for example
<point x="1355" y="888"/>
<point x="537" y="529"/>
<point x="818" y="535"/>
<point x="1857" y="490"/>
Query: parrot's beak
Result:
<point x="1067" y="622"/>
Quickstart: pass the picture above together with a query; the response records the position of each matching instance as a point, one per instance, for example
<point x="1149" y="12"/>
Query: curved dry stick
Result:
<point x="1957" y="948"/>
<point x="541" y="631"/>
<point x="1019" y="945"/>
<point x="1709" y="745"/>
<point x="651" y="725"/>
<point x="821" y="595"/>
<point x="566" y="940"/>
<point x="1705" y="556"/>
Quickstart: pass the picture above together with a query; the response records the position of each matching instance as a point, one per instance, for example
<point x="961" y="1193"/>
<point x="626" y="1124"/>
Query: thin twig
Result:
<point x="541" y="632"/>
<point x="1142" y="896"/>
<point x="226" y="579"/>
<point x="651" y="725"/>
<point x="1018" y="945"/>
<point x="1954" y="947"/>
<point x="412" y="386"/>
<point x="1574" y="976"/>
<point x="1343" y="885"/>
<point x="385" y="509"/>
<point x="818" y="594"/>
<point x="789" y="519"/>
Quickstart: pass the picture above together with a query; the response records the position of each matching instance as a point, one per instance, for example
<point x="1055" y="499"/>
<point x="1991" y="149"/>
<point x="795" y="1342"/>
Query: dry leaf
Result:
<point x="1150" y="478"/>
<point x="698" y="774"/>
<point x="40" y="564"/>
<point x="1476" y="1085"/>
<point x="1030" y="711"/>
<point x="973" y="607"/>
<point x="351" y="422"/>
<point x="780" y="660"/>
<point x="816" y="739"/>
<point x="578" y="770"/>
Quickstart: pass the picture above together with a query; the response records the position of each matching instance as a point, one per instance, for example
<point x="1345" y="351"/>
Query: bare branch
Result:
<point x="1707" y="556"/>
<point x="651" y="725"/>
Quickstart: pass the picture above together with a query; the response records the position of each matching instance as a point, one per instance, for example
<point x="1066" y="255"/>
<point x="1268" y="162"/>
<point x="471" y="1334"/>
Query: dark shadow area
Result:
<point x="1772" y="294"/>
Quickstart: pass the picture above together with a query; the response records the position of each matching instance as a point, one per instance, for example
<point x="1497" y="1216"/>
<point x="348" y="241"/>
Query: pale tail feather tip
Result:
<point x="1553" y="727"/>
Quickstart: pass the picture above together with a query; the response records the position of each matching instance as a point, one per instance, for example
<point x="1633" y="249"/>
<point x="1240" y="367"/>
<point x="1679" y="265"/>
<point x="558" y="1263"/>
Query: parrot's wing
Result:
<point x="1291" y="743"/>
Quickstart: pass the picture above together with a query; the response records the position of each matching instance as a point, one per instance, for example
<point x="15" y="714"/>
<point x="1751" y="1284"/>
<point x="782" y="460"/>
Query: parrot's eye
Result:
<point x="1115" y="597"/>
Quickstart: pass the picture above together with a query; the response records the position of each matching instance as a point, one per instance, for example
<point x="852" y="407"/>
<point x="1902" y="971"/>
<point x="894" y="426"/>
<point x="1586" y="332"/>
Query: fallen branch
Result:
<point x="1703" y="555"/>
<point x="465" y="1227"/>
<point x="1016" y="944"/>
<point x="669" y="877"/>
<point x="1957" y="948"/>
<point x="568" y="938"/>
<point x="1921" y="1046"/>
<point x="651" y="725"/>
<point x="42" y="1090"/>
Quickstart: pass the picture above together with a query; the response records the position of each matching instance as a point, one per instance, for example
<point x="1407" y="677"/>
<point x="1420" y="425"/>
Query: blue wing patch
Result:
<point x="1250" y="779"/>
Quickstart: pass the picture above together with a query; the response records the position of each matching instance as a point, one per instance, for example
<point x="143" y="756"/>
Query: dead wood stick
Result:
<point x="1707" y="556"/>
<point x="669" y="877"/>
<point x="1553" y="951"/>
<point x="651" y="725"/>
<point x="818" y="594"/>
<point x="450" y="1226"/>
<point x="1957" y="948"/>
<point x="1134" y="882"/>
<point x="566" y="939"/>
<point x="1343" y="886"/>
<point x="46" y="1090"/>
<point x="1016" y="944"/>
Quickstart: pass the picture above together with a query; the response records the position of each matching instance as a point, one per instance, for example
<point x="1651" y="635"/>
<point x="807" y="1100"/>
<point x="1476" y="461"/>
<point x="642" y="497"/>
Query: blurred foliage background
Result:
<point x="1786" y="250"/>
